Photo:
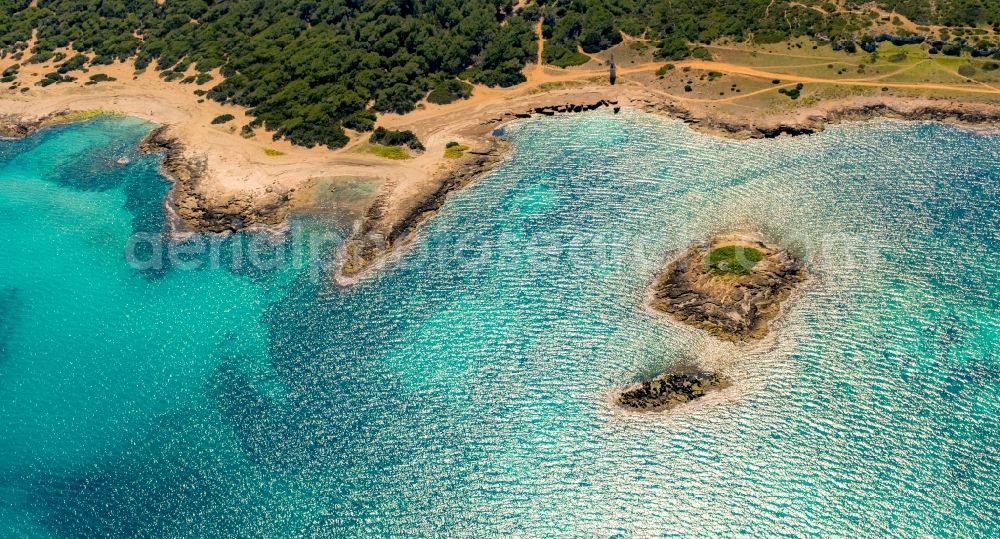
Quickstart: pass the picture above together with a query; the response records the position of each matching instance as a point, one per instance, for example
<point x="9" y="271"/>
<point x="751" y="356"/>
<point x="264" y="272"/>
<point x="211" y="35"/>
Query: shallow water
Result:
<point x="462" y="391"/>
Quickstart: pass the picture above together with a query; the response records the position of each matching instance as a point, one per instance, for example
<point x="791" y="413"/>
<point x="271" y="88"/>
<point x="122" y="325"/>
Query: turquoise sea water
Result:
<point x="462" y="392"/>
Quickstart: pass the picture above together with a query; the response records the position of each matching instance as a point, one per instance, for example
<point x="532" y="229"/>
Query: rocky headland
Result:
<point x="731" y="286"/>
<point x="669" y="391"/>
<point x="392" y="220"/>
<point x="196" y="211"/>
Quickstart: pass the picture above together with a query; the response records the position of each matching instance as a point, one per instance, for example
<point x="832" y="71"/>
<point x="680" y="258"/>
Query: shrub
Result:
<point x="448" y="91"/>
<point x="362" y="120"/>
<point x="53" y="78"/>
<point x="389" y="137"/>
<point x="101" y="77"/>
<point x="308" y="68"/>
<point x="222" y="118"/>
<point x="794" y="93"/>
<point x="770" y="36"/>
<point x="688" y="88"/>
<point x="39" y="57"/>
<point x="966" y="70"/>
<point x="991" y="66"/>
<point x="952" y="49"/>
<point x="73" y="64"/>
<point x="701" y="53"/>
<point x="571" y="58"/>
<point x="663" y="70"/>
<point x="673" y="47"/>
<point x="454" y="150"/>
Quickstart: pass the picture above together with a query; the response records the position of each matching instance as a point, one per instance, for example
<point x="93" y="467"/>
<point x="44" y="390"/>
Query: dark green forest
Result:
<point x="308" y="69"/>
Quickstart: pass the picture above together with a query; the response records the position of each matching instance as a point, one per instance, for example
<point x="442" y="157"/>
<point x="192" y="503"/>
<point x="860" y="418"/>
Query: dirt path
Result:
<point x="541" y="42"/>
<point x="872" y="81"/>
<point x="736" y="69"/>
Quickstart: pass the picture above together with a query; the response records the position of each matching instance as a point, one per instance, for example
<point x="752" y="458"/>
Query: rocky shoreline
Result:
<point x="381" y="231"/>
<point x="195" y="211"/>
<point x="13" y="126"/>
<point x="668" y="391"/>
<point x="732" y="306"/>
<point x="808" y="122"/>
<point x="552" y="110"/>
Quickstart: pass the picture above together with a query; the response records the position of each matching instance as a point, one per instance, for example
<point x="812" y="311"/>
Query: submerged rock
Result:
<point x="731" y="286"/>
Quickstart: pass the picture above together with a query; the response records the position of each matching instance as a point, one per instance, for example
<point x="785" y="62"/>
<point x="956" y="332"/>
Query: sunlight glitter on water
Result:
<point x="463" y="390"/>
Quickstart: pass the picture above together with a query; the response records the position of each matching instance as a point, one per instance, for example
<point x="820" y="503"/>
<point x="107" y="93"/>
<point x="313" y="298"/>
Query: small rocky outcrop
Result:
<point x="200" y="212"/>
<point x="735" y="306"/>
<point x="669" y="390"/>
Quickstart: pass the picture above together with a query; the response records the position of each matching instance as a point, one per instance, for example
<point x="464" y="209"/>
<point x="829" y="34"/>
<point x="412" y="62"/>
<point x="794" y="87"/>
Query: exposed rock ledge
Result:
<point x="390" y="223"/>
<point x="552" y="110"/>
<point x="813" y="120"/>
<point x="732" y="306"/>
<point x="198" y="211"/>
<point x="669" y="391"/>
<point x="14" y="126"/>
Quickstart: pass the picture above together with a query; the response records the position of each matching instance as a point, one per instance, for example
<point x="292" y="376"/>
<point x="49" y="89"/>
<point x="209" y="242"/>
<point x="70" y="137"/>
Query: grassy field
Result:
<point x="388" y="152"/>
